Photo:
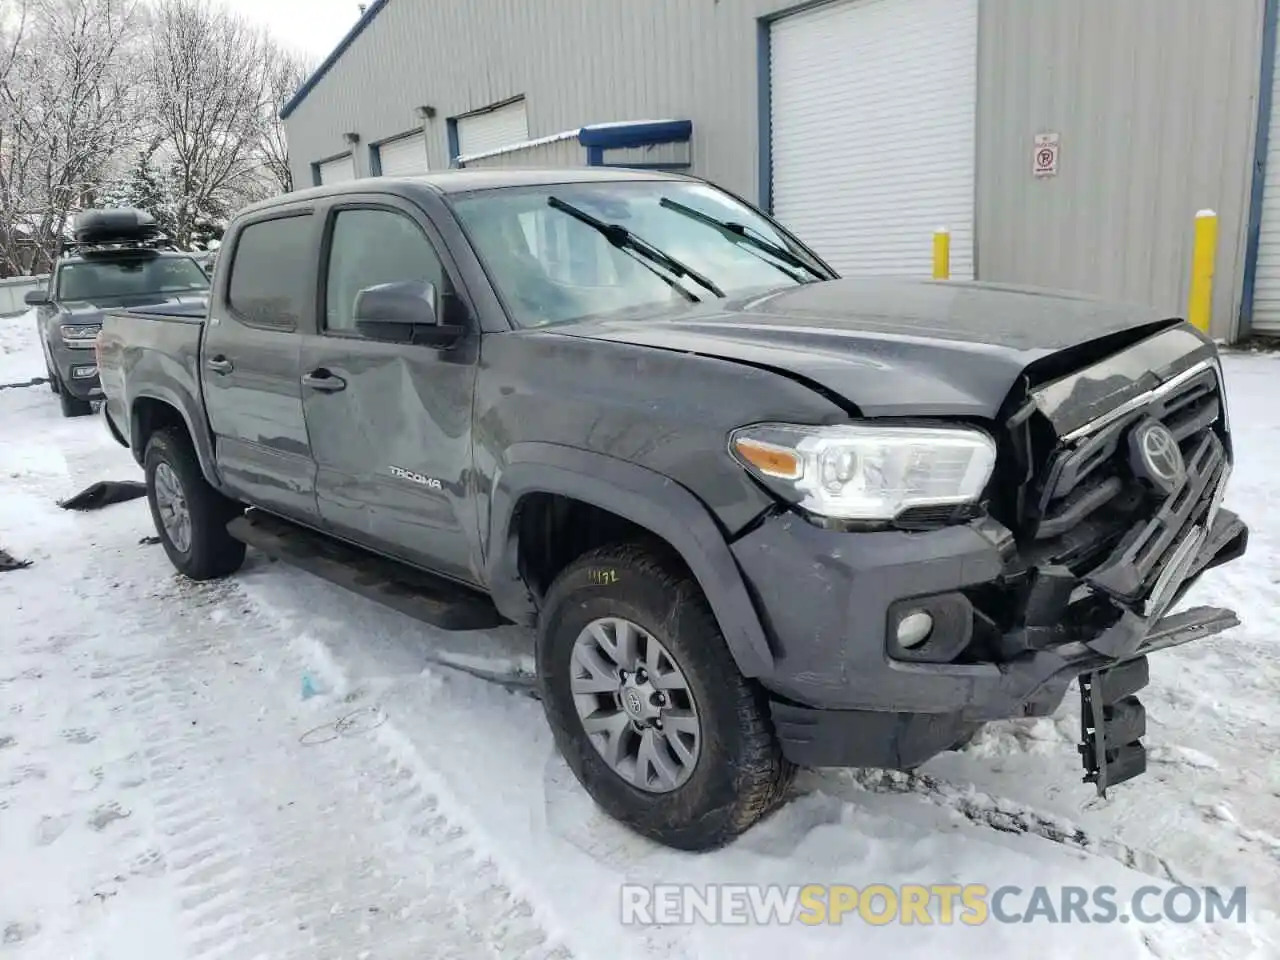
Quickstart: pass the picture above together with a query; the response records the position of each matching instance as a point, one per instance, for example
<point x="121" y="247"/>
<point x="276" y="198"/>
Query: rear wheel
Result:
<point x="191" y="517"/>
<point x="647" y="705"/>
<point x="72" y="406"/>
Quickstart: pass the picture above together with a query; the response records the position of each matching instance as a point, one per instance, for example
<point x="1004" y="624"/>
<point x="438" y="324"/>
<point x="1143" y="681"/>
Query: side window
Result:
<point x="269" y="272"/>
<point x="370" y="247"/>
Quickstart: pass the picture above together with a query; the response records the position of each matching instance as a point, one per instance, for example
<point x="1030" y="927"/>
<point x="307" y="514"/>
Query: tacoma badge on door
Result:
<point x="417" y="478"/>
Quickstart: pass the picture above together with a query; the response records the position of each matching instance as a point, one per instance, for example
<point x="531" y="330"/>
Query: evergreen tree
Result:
<point x="144" y="188"/>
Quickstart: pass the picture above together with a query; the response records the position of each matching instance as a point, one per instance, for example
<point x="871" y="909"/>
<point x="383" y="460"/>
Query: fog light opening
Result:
<point x="914" y="629"/>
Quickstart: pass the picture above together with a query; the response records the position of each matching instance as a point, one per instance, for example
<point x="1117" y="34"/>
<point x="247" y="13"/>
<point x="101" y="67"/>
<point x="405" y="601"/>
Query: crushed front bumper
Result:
<point x="840" y="699"/>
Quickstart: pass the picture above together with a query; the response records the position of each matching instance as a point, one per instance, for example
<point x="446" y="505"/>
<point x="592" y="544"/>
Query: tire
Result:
<point x="207" y="551"/>
<point x="739" y="774"/>
<point x="53" y="380"/>
<point x="72" y="406"/>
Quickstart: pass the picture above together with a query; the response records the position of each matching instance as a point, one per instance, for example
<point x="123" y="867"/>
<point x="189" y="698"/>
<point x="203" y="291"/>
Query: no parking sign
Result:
<point x="1044" y="155"/>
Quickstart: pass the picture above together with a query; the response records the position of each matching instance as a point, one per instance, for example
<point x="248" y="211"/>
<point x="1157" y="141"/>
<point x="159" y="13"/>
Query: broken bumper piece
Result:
<point x="1112" y="668"/>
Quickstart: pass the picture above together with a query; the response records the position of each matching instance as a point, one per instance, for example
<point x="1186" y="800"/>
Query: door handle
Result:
<point x="324" y="381"/>
<point x="219" y="364"/>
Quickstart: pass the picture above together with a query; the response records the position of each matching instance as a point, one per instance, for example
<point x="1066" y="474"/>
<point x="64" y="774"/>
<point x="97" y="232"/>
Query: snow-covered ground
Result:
<point x="166" y="791"/>
<point x="20" y="357"/>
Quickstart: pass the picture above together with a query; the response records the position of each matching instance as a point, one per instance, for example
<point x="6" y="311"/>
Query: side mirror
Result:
<point x="36" y="298"/>
<point x="404" y="312"/>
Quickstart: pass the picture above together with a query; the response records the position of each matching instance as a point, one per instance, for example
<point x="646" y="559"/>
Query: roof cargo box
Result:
<point x="114" y="226"/>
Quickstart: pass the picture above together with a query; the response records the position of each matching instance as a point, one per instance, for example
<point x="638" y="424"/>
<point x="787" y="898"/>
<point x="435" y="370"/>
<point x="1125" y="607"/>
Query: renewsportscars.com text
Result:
<point x="926" y="904"/>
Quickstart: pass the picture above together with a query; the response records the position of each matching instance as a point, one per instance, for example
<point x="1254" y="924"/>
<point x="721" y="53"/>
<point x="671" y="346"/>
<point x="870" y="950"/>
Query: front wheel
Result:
<point x="191" y="517"/>
<point x="647" y="705"/>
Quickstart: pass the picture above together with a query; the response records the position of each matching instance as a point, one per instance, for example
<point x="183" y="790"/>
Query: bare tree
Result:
<point x="286" y="72"/>
<point x="209" y="86"/>
<point x="13" y="26"/>
<point x="68" y="104"/>
<point x="170" y="103"/>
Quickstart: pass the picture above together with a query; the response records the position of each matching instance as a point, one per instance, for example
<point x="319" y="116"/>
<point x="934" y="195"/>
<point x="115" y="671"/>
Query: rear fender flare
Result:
<point x="647" y="499"/>
<point x="200" y="439"/>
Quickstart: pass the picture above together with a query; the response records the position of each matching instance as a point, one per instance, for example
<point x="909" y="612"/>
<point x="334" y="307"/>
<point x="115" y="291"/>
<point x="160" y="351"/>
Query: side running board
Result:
<point x="434" y="600"/>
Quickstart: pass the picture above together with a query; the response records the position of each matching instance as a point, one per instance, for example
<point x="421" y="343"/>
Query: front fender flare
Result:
<point x="644" y="497"/>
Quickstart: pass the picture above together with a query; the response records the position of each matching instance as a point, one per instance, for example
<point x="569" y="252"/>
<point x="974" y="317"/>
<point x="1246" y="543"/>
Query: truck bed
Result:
<point x="157" y="346"/>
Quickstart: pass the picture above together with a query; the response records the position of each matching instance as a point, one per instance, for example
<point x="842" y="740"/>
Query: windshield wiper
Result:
<point x="747" y="235"/>
<point x="625" y="240"/>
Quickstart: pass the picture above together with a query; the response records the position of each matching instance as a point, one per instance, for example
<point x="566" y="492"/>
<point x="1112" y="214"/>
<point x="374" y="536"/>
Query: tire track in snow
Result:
<point x="294" y="851"/>
<point x="1008" y="816"/>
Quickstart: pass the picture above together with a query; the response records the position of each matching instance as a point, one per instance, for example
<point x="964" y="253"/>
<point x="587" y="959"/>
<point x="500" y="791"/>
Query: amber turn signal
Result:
<point x="770" y="460"/>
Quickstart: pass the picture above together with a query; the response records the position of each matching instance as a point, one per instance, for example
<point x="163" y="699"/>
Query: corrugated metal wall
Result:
<point x="557" y="153"/>
<point x="575" y="62"/>
<point x="673" y="154"/>
<point x="1155" y="101"/>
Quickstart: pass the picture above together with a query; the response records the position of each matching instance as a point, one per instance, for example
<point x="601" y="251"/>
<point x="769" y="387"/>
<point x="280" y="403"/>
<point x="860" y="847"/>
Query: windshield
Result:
<point x="118" y="278"/>
<point x="548" y="251"/>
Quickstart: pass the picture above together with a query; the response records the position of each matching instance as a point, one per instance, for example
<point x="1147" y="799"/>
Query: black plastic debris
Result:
<point x="33" y="382"/>
<point x="9" y="562"/>
<point x="104" y="493"/>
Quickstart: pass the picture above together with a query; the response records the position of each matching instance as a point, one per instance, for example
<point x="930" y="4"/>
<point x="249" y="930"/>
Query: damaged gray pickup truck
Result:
<point x="760" y="515"/>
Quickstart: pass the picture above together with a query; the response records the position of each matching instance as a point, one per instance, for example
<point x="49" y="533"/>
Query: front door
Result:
<point x="250" y="365"/>
<point x="390" y="422"/>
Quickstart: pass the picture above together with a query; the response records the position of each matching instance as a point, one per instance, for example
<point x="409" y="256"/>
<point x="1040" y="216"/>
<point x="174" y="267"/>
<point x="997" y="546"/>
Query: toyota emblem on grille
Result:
<point x="1157" y="456"/>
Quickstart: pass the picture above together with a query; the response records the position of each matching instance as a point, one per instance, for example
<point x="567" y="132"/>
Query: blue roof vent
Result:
<point x="635" y="133"/>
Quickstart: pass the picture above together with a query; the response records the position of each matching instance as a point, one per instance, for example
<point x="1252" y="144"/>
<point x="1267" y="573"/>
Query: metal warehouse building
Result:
<point x="1064" y="143"/>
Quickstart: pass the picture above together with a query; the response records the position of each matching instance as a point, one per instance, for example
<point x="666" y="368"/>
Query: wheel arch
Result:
<point x="648" y="500"/>
<point x="158" y="408"/>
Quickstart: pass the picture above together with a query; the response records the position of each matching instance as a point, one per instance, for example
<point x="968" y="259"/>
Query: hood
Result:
<point x="84" y="311"/>
<point x="893" y="347"/>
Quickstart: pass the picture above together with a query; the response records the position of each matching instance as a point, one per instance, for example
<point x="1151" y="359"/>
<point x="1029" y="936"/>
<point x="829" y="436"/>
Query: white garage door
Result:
<point x="1266" y="289"/>
<point x="492" y="129"/>
<point x="404" y="156"/>
<point x="338" y="171"/>
<point x="873" y="106"/>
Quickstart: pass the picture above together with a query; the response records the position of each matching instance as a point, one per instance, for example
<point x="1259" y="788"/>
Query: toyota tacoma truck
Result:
<point x="760" y="516"/>
<point x="118" y="258"/>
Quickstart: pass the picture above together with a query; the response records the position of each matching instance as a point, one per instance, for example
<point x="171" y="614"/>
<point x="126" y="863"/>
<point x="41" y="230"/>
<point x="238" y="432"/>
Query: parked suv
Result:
<point x="759" y="515"/>
<point x="114" y="261"/>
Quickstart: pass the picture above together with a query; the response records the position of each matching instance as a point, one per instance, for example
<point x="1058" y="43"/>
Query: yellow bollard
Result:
<point x="942" y="254"/>
<point x="1203" y="252"/>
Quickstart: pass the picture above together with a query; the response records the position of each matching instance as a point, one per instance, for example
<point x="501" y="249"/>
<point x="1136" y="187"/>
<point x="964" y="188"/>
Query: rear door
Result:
<point x="250" y="362"/>
<point x="390" y="422"/>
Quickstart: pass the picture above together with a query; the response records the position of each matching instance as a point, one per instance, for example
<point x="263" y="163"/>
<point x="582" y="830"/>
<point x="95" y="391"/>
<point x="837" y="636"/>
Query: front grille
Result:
<point x="1086" y="509"/>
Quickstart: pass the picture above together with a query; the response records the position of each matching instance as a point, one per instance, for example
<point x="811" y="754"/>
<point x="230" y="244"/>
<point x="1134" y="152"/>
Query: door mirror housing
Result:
<point x="36" y="298"/>
<point x="404" y="312"/>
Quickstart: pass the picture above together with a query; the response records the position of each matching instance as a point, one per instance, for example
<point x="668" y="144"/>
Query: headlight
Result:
<point x="866" y="472"/>
<point x="74" y="332"/>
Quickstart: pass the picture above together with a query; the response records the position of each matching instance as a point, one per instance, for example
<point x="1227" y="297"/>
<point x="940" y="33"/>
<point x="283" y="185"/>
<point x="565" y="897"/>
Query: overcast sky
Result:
<point x="312" y="26"/>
